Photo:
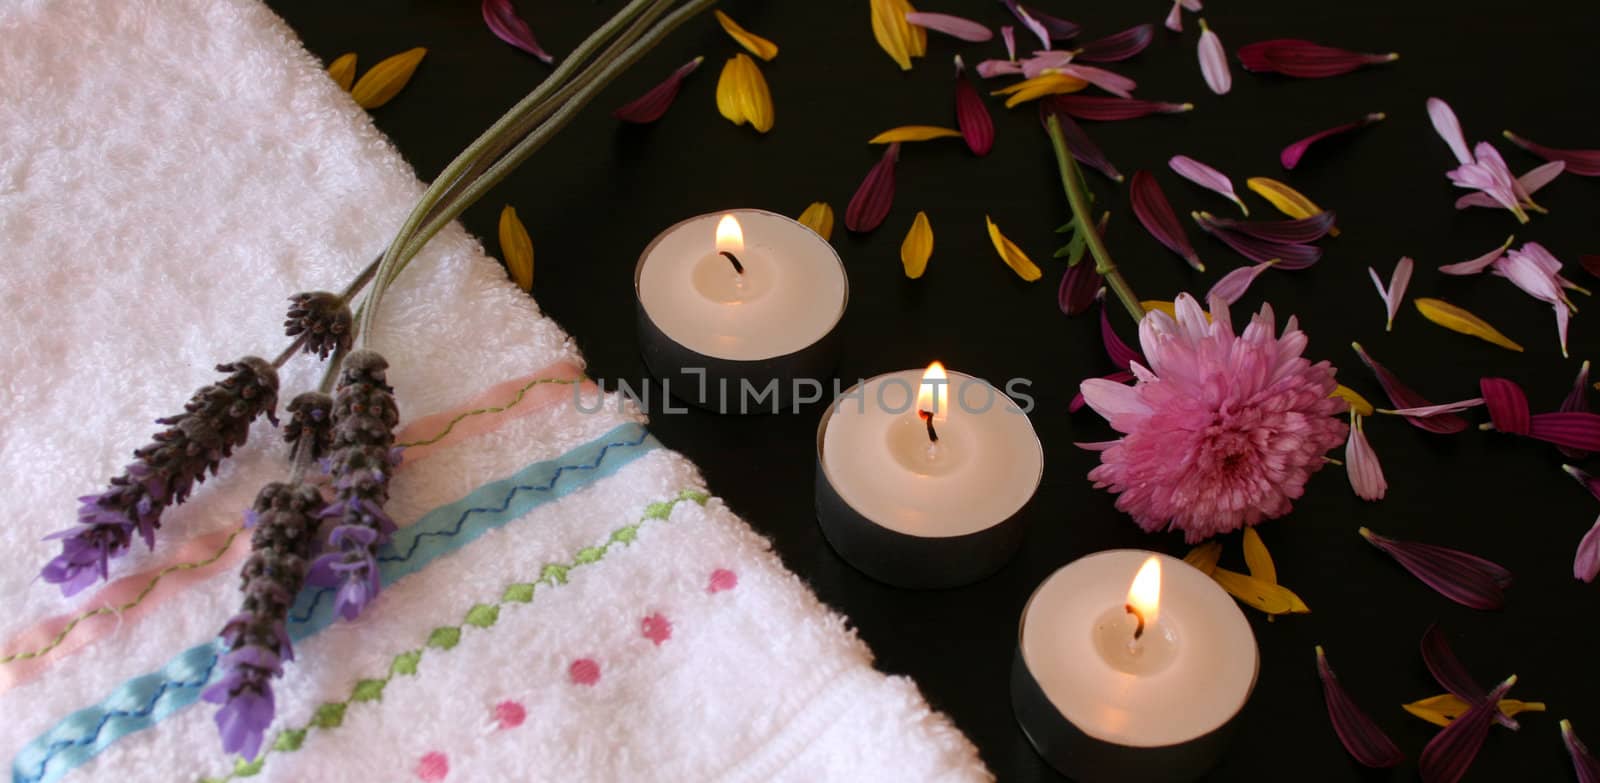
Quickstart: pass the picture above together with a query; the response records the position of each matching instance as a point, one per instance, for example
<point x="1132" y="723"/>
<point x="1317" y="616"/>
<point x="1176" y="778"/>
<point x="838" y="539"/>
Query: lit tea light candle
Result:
<point x="1134" y="683"/>
<point x="921" y="476"/>
<point x="733" y="304"/>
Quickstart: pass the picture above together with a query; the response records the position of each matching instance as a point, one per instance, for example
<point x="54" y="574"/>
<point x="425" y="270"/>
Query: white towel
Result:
<point x="170" y="171"/>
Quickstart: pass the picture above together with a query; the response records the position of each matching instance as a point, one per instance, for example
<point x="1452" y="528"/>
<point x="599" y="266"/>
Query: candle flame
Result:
<point x="730" y="238"/>
<point x="934" y="393"/>
<point x="1145" y="594"/>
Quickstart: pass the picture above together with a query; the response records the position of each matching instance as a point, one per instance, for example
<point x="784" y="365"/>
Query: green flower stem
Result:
<point x="1072" y="181"/>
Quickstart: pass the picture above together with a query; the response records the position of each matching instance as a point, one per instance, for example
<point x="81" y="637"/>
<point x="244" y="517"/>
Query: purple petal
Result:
<point x="1591" y="483"/>
<point x="1396" y="292"/>
<point x="1583" y="762"/>
<point x="1586" y="564"/>
<point x="1304" y="59"/>
<point x="1289" y="255"/>
<point x="1114" y="83"/>
<point x="1478" y="264"/>
<point x="1118" y="46"/>
<point x="1361" y="464"/>
<point x="1435" y="410"/>
<point x="649" y="107"/>
<point x="1574" y="430"/>
<point x="1078" y="401"/>
<point x="1309" y="229"/>
<point x="1083" y="148"/>
<point x="1452" y="675"/>
<point x="1466" y="579"/>
<point x="1107" y="108"/>
<point x="1150" y="205"/>
<point x="1078" y="287"/>
<point x="1027" y="19"/>
<point x="1121" y="354"/>
<point x="1206" y="177"/>
<point x="1449" y="128"/>
<point x="870" y="205"/>
<point x="1508" y="406"/>
<point x="1290" y="157"/>
<point x="972" y="117"/>
<point x="1577" y="401"/>
<point x="965" y="29"/>
<point x="1401" y="396"/>
<point x="1058" y="28"/>
<point x="1584" y="163"/>
<point x="1449" y="754"/>
<point x="507" y="26"/>
<point x="1235" y="283"/>
<point x="1214" y="61"/>
<point x="1361" y="737"/>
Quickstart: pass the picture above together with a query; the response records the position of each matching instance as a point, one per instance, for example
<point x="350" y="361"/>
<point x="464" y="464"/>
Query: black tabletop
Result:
<point x="595" y="196"/>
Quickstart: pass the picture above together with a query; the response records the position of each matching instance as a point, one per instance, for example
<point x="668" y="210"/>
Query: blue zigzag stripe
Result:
<point x="144" y="701"/>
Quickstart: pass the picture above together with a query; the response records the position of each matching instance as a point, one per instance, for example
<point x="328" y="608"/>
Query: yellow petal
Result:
<point x="918" y="247"/>
<point x="753" y="43"/>
<point x="1358" y="403"/>
<point x="1458" y="320"/>
<point x="1268" y="597"/>
<point x="728" y="103"/>
<point x="915" y="133"/>
<point x="755" y="100"/>
<point x="1152" y="305"/>
<point x="1289" y="201"/>
<point x="517" y="248"/>
<point x="1257" y="558"/>
<point x="819" y="218"/>
<point x="894" y="33"/>
<point x="1011" y="254"/>
<point x="343" y="70"/>
<point x="1440" y="710"/>
<point x="1040" y="86"/>
<point x="380" y="84"/>
<point x="1205" y="556"/>
<point x="918" y="40"/>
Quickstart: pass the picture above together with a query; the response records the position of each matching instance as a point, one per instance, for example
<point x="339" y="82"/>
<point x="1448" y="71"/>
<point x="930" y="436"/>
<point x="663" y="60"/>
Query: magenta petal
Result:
<point x="1119" y="46"/>
<point x="1591" y="483"/>
<point x="1150" y="205"/>
<point x="1079" y="284"/>
<point x="1583" y="762"/>
<point x="1508" y="406"/>
<point x="1235" y="283"/>
<point x="1083" y="148"/>
<point x="965" y="29"/>
<point x="1577" y="401"/>
<point x="972" y="117"/>
<point x="1468" y="580"/>
<point x="1206" y="177"/>
<point x="1122" y="355"/>
<point x="1105" y="108"/>
<point x="1059" y="29"/>
<point x="1586" y="564"/>
<point x="1361" y="737"/>
<point x="1574" y="430"/>
<point x="1401" y="396"/>
<point x="1449" y="754"/>
<point x="1029" y="21"/>
<point x="1304" y="59"/>
<point x="649" y="107"/>
<point x="1289" y="255"/>
<point x="1290" y="157"/>
<point x="1452" y="675"/>
<point x="1584" y="163"/>
<point x="870" y="205"/>
<point x="503" y="21"/>
<point x="1078" y="401"/>
<point x="1303" y="230"/>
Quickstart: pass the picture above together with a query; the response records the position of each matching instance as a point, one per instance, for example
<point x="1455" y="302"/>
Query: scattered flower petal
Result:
<point x="1401" y="396"/>
<point x="1118" y="46"/>
<point x="1114" y="83"/>
<point x="870" y="205"/>
<point x="1121" y="354"/>
<point x="965" y="29"/>
<point x="1154" y="212"/>
<point x="743" y="95"/>
<point x="988" y="69"/>
<point x="1256" y="557"/>
<point x="1396" y="292"/>
<point x="1458" y="320"/>
<point x="1287" y="200"/>
<point x="1508" y="410"/>
<point x="1058" y="28"/>
<point x="1508" y="406"/>
<point x="1449" y="754"/>
<point x="917" y="247"/>
<point x="1584" y="762"/>
<point x="972" y="117"/>
<point x="1466" y="579"/>
<point x="385" y="80"/>
<point x="1309" y="229"/>
<point x="1082" y="147"/>
<point x="1584" y="163"/>
<point x="1205" y="557"/>
<point x="517" y="248"/>
<point x="1078" y="401"/>
<point x="1290" y="157"/>
<point x="818" y="217"/>
<point x="650" y="106"/>
<point x="1449" y="128"/>
<point x="1106" y="108"/>
<point x="1577" y="401"/>
<point x="752" y="43"/>
<point x="1206" y="177"/>
<point x="1259" y="594"/>
<point x="1235" y="283"/>
<point x="343" y="70"/>
<point x="1358" y="404"/>
<point x="1289" y="255"/>
<point x="1434" y="410"/>
<point x="1361" y="463"/>
<point x="1013" y="255"/>
<point x="503" y="21"/>
<point x="1214" y="61"/>
<point x="1480" y="263"/>
<point x="1361" y="737"/>
<point x="1452" y="675"/>
<point x="898" y="37"/>
<point x="1078" y="287"/>
<point x="1040" y="86"/>
<point x="1029" y="21"/>
<point x="1304" y="59"/>
<point x="1008" y="35"/>
<point x="1529" y="183"/>
<point x="914" y="133"/>
<point x="1442" y="709"/>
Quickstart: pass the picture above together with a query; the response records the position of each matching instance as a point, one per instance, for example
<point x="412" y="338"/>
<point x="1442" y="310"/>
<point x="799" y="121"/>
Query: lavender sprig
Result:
<point x="284" y="520"/>
<point x="214" y="422"/>
<point x="364" y="416"/>
<point x="321" y="321"/>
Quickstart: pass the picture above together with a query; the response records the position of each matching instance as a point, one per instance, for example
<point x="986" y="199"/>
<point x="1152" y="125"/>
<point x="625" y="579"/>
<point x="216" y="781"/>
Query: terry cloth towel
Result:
<point x="565" y="599"/>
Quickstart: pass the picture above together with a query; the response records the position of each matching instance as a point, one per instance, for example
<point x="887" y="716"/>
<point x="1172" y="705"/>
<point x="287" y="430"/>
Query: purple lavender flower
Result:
<point x="364" y="416"/>
<point x="321" y="320"/>
<point x="257" y="639"/>
<point x="214" y="422"/>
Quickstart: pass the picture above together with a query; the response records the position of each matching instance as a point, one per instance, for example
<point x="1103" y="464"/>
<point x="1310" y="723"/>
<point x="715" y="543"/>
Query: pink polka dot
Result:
<point x="584" y="671"/>
<point x="656" y="628"/>
<point x="509" y="714"/>
<point x="433" y="767"/>
<point x="722" y="579"/>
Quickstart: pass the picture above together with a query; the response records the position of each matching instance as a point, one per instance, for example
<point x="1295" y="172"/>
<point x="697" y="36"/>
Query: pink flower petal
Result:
<point x="1034" y="26"/>
<point x="965" y="29"/>
<point x="1466" y="579"/>
<point x="649" y="107"/>
<point x="1309" y="229"/>
<point x="1452" y="675"/>
<point x="1120" y="376"/>
<point x="1058" y="28"/>
<point x="1214" y="61"/>
<point x="1174" y="20"/>
<point x="1527" y="184"/>
<point x="1082" y="147"/>
<point x="870" y="205"/>
<point x="1583" y="762"/>
<point x="1586" y="564"/>
<point x="1290" y="157"/>
<point x="1361" y="464"/>
<point x="989" y="69"/>
<point x="1121" y="354"/>
<point x="1304" y="59"/>
<point x="1008" y="34"/>
<point x="1078" y="287"/>
<point x="1584" y="163"/>
<point x="1045" y="62"/>
<point x="1434" y="410"/>
<point x="1114" y="401"/>
<point x="1098" y="445"/>
<point x="1150" y="205"/>
<point x="972" y="117"/>
<point x="503" y="21"/>
<point x="1396" y="292"/>
<point x="1401" y="396"/>
<point x="1449" y="128"/>
<point x="1591" y="483"/>
<point x="1114" y="83"/>
<point x="1478" y="264"/>
<point x="1106" y="108"/>
<point x="1118" y="46"/>
<point x="1289" y="255"/>
<point x="1360" y="736"/>
<point x="1449" y="754"/>
<point x="1235" y="283"/>
<point x="1206" y="177"/>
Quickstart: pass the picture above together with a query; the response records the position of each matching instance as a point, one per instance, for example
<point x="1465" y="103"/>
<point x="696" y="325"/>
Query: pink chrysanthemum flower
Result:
<point x="1220" y="431"/>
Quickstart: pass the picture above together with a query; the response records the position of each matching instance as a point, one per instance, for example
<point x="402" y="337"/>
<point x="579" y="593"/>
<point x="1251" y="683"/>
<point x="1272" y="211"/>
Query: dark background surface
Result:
<point x="594" y="197"/>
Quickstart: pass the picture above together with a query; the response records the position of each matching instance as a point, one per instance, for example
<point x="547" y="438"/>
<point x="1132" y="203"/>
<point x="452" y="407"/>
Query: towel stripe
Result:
<point x="144" y="701"/>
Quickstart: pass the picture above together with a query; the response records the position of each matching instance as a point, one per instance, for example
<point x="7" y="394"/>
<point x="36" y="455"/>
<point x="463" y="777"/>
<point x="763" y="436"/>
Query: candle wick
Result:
<point x="1138" y="630"/>
<point x="733" y="259"/>
<point x="927" y="418"/>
